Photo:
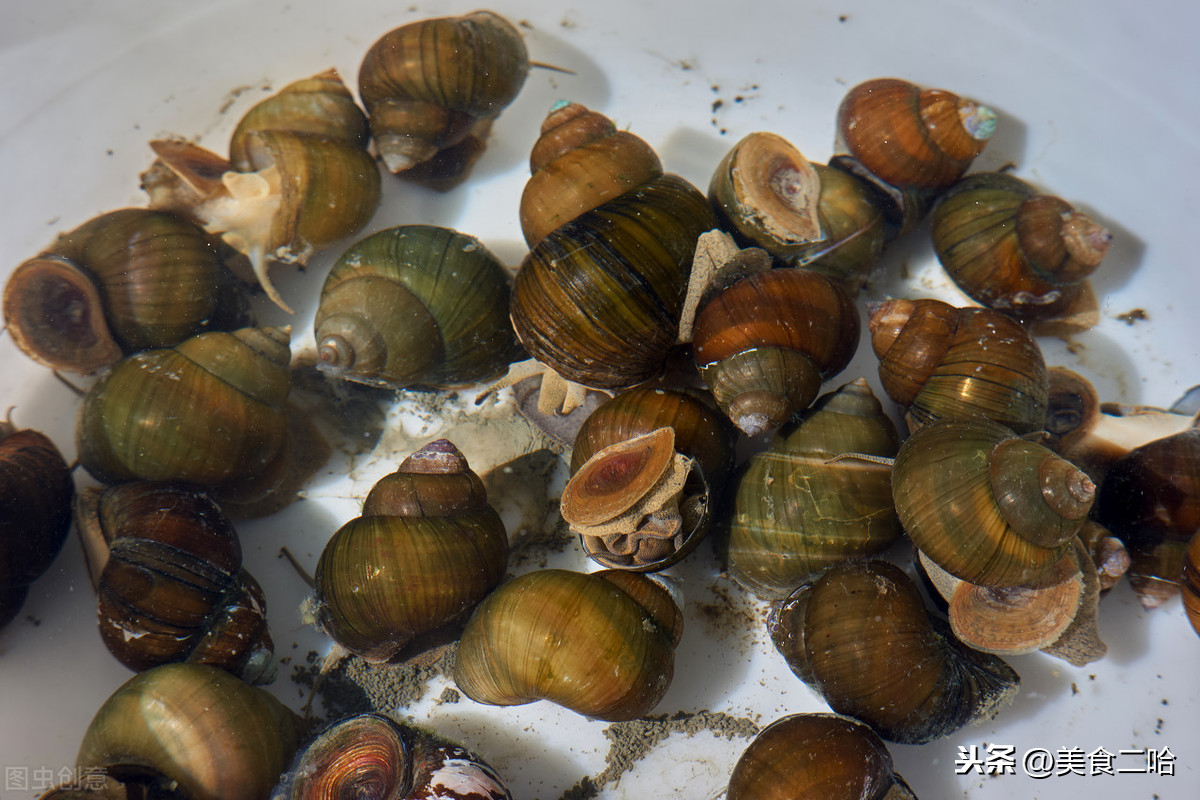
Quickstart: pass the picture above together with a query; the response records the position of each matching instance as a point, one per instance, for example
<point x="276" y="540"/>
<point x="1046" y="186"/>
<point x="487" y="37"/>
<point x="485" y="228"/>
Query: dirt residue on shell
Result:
<point x="355" y="685"/>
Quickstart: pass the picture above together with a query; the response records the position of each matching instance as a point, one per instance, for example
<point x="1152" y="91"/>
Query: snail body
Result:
<point x="601" y="644"/>
<point x="1016" y="505"/>
<point x="415" y="305"/>
<point x="209" y="411"/>
<point x="370" y="755"/>
<point x="425" y="551"/>
<point x="128" y="280"/>
<point x="821" y="756"/>
<point x="433" y="88"/>
<point x="194" y="725"/>
<point x="860" y="636"/>
<point x="172" y="587"/>
<point x="1013" y="248"/>
<point x="796" y="511"/>
<point x="36" y="491"/>
<point x="940" y="361"/>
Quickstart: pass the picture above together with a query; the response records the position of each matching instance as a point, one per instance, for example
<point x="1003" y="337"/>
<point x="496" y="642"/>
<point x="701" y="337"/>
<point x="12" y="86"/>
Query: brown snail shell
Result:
<point x="1016" y="250"/>
<point x="860" y="636"/>
<point x="127" y="280"/>
<point x="209" y="411"/>
<point x="598" y="300"/>
<point x="1190" y="582"/>
<point x="986" y="505"/>
<point x="296" y="191"/>
<point x="770" y="196"/>
<point x="193" y="725"/>
<point x="796" y="510"/>
<point x="939" y="361"/>
<point x="433" y="88"/>
<point x="373" y="756"/>
<point x="580" y="161"/>
<point x="820" y="756"/>
<point x="415" y="305"/>
<point x="765" y="343"/>
<point x="699" y="433"/>
<point x="912" y="137"/>
<point x="601" y="644"/>
<point x="425" y="551"/>
<point x="36" y="491"/>
<point x="172" y="587"/>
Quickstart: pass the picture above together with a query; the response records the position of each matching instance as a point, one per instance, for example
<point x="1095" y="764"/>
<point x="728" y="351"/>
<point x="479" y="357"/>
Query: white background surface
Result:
<point x="1097" y="103"/>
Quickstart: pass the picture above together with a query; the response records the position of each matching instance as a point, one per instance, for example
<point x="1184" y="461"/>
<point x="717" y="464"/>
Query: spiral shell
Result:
<point x="601" y="644"/>
<point x="171" y="587"/>
<point x="127" y="280"/>
<point x="433" y="88"/>
<point x="796" y="511"/>
<point x="1014" y="249"/>
<point x="373" y="756"/>
<point x="860" y="636"/>
<point x="939" y="361"/>
<point x="214" y="736"/>
<point x="1190" y="582"/>
<point x="986" y="505"/>
<point x="816" y="755"/>
<point x="425" y="551"/>
<point x="415" y="305"/>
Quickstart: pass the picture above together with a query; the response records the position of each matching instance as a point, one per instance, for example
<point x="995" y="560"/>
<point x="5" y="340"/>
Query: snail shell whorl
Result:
<point x="36" y="490"/>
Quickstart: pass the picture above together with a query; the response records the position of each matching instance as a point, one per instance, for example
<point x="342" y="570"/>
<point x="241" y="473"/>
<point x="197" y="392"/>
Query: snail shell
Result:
<point x="1014" y="249"/>
<point x="433" y="88"/>
<point x="770" y="196"/>
<point x="860" y="636"/>
<point x="127" y="280"/>
<point x="819" y="756"/>
<point x="215" y="736"/>
<point x="795" y="511"/>
<point x="209" y="411"/>
<point x="425" y="551"/>
<point x="912" y="137"/>
<point x="766" y="343"/>
<point x="700" y="433"/>
<point x="986" y="505"/>
<point x="601" y="644"/>
<point x="370" y="755"/>
<point x="598" y="300"/>
<point x="294" y="190"/>
<point x="171" y="587"/>
<point x="36" y="491"/>
<point x="415" y="304"/>
<point x="1190" y="582"/>
<point x="939" y="361"/>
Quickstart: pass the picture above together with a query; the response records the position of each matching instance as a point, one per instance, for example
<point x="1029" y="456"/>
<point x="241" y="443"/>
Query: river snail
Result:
<point x="860" y="636"/>
<point x="124" y="281"/>
<point x="426" y="549"/>
<point x="601" y="644"/>
<point x="765" y="341"/>
<point x="769" y="195"/>
<point x="647" y="468"/>
<point x="1018" y="250"/>
<point x="209" y="411"/>
<point x="373" y="756"/>
<point x="166" y="565"/>
<point x="300" y="179"/>
<point x="415" y="305"/>
<point x="797" y="508"/>
<point x="433" y="88"/>
<point x="598" y="300"/>
<point x="817" y="755"/>
<point x="36" y="491"/>
<point x="940" y="361"/>
<point x="1190" y="582"/>
<point x="986" y="505"/>
<point x="194" y="729"/>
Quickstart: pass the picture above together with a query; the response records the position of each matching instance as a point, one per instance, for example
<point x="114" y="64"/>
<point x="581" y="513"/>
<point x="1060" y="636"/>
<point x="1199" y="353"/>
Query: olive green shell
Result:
<point x="416" y="305"/>
<point x="599" y="299"/>
<point x="795" y="513"/>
